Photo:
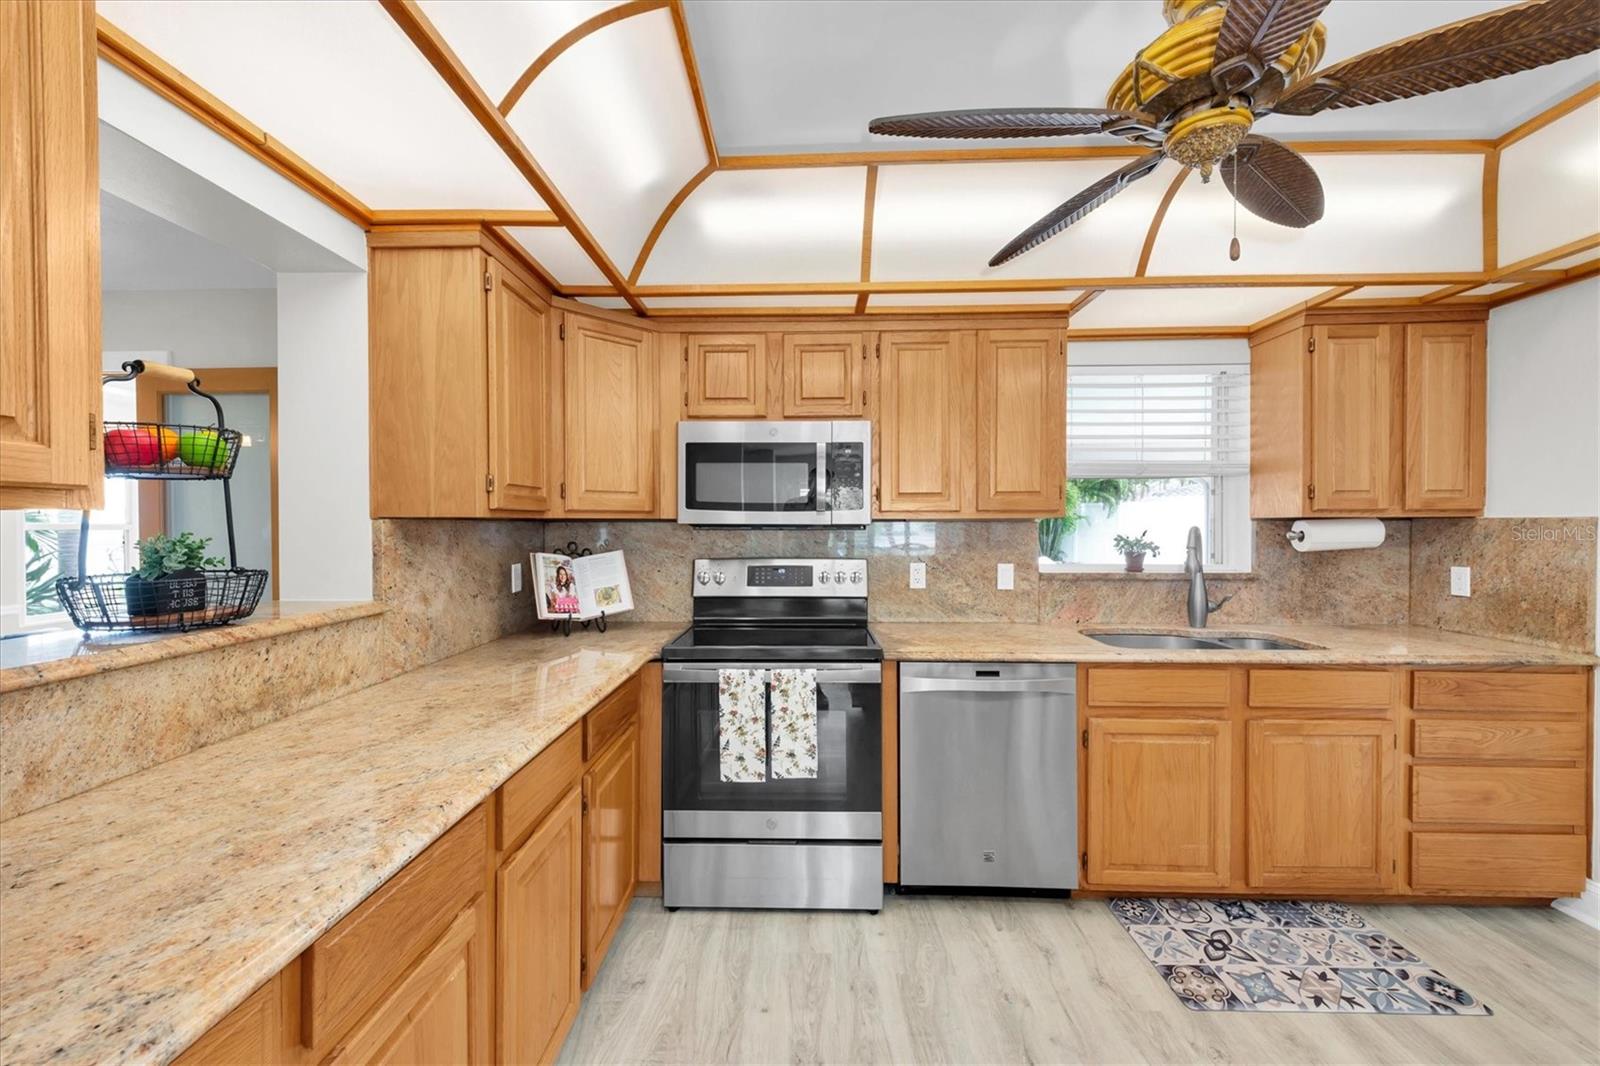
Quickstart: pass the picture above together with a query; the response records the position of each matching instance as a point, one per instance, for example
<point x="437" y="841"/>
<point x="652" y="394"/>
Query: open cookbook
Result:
<point x="581" y="587"/>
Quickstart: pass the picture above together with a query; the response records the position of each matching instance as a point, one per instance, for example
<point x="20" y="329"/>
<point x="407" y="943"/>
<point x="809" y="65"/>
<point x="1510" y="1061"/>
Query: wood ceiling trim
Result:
<point x="974" y="309"/>
<point x="1445" y="293"/>
<point x="583" y="29"/>
<point x="661" y="223"/>
<point x="748" y="312"/>
<point x="166" y="81"/>
<point x="1131" y="333"/>
<point x="867" y="209"/>
<point x="1304" y="305"/>
<point x="1550" y="255"/>
<point x="1166" y="281"/>
<point x="1082" y="301"/>
<point x="427" y="39"/>
<point x="1548" y="115"/>
<point x="1568" y="276"/>
<point x="464" y="217"/>
<point x="1157" y="219"/>
<point x="1490" y="199"/>
<point x="680" y="26"/>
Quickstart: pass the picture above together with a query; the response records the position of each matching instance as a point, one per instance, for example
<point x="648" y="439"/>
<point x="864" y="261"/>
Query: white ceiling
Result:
<point x="142" y="251"/>
<point x="807" y="75"/>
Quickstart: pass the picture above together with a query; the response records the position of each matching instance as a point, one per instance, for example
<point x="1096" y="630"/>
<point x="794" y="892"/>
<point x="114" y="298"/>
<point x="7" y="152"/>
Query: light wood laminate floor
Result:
<point x="935" y="979"/>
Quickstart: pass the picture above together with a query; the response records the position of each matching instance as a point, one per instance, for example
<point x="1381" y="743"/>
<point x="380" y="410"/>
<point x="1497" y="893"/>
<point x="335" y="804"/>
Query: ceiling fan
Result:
<point x="1193" y="93"/>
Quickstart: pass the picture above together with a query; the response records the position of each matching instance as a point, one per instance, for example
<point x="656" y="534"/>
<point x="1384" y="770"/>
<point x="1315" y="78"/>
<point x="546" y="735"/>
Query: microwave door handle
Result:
<point x="822" y="476"/>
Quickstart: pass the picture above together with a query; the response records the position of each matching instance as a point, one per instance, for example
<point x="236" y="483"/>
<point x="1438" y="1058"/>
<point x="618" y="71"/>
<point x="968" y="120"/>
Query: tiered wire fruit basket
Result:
<point x="165" y="451"/>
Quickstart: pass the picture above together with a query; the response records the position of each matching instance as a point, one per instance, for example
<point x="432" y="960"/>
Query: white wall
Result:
<point x="199" y="327"/>
<point x="325" y="532"/>
<point x="1544" y="423"/>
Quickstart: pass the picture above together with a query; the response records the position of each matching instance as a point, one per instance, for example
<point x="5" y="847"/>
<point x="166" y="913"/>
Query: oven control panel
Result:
<point x="781" y="577"/>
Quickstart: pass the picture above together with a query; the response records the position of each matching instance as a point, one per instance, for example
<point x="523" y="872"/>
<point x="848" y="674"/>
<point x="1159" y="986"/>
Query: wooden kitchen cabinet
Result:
<point x="725" y="375"/>
<point x="49" y="257"/>
<point x="252" y="1032"/>
<point x="1159" y="802"/>
<point x="610" y="432"/>
<point x="460" y="379"/>
<point x="540" y="936"/>
<point x="610" y="843"/>
<point x="824" y="375"/>
<point x="1321" y="804"/>
<point x="1022" y="411"/>
<point x="926" y="420"/>
<point x="1368" y="413"/>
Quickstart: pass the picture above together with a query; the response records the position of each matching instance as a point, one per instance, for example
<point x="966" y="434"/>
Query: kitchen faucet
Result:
<point x="1199" y="608"/>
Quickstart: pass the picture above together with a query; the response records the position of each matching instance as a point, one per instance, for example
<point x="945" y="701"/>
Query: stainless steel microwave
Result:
<point x="774" y="473"/>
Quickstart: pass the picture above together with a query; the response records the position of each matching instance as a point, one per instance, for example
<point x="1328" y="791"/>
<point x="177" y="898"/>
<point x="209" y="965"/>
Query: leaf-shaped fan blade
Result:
<point x="999" y="122"/>
<point x="1274" y="182"/>
<point x="1077" y="207"/>
<point x="1501" y="42"/>
<point x="1264" y="28"/>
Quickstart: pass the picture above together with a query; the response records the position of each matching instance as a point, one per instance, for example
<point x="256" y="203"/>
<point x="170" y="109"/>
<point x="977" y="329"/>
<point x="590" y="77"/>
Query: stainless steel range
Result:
<point x="766" y="831"/>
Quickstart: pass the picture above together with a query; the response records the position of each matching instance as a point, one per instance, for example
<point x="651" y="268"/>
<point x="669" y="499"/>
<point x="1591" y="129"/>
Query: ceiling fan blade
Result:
<point x="1000" y="122"/>
<point x="1274" y="182"/>
<point x="1263" y="29"/>
<point x="1505" y="41"/>
<point x="1077" y="207"/>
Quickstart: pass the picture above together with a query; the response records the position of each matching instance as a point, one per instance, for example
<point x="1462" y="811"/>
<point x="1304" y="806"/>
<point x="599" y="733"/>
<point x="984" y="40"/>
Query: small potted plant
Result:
<point x="171" y="575"/>
<point x="1134" y="549"/>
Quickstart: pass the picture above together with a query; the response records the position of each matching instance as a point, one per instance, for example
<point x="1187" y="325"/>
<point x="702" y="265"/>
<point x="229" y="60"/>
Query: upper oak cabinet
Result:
<point x="460" y="379"/>
<point x="611" y="436"/>
<point x="49" y="257"/>
<point x="725" y="375"/>
<point x="1368" y="413"/>
<point x="824" y="375"/>
<point x="971" y="424"/>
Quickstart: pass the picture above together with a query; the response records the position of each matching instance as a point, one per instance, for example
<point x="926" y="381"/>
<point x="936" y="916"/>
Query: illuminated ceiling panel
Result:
<point x="498" y="39"/>
<point x="553" y="248"/>
<point x="1128" y="308"/>
<point x="1550" y="185"/>
<point x="977" y="299"/>
<point x="844" y="303"/>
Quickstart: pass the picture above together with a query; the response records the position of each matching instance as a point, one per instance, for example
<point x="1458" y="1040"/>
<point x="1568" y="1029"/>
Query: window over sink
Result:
<point x="1155" y="444"/>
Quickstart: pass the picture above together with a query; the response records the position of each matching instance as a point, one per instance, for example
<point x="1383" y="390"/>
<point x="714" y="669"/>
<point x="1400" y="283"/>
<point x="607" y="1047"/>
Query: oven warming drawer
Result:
<point x="846" y="877"/>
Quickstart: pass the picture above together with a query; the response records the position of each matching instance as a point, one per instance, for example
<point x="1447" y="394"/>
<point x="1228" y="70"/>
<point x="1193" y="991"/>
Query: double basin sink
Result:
<point x="1185" y="642"/>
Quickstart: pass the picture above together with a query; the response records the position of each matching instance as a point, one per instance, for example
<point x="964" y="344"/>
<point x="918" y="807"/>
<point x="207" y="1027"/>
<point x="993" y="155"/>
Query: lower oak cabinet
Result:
<point x="540" y="889"/>
<point x="610" y="844"/>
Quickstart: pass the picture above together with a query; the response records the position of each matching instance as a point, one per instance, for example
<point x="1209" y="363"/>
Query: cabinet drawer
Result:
<point x="1156" y="686"/>
<point x="1494" y="690"/>
<point x="1498" y="795"/>
<point x="1530" y="740"/>
<point x="611" y="717"/>
<point x="1532" y="864"/>
<point x="536" y="787"/>
<point x="1322" y="689"/>
<point x="354" y="963"/>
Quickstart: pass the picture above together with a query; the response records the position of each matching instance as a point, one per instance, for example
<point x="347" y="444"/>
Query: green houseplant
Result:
<point x="171" y="575"/>
<point x="1134" y="549"/>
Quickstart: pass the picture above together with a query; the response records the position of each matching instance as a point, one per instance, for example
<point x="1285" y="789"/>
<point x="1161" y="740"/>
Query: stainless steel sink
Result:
<point x="1256" y="644"/>
<point x="1184" y="642"/>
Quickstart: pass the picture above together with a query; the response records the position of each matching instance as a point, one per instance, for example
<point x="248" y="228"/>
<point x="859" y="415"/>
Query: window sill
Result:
<point x="1119" y="574"/>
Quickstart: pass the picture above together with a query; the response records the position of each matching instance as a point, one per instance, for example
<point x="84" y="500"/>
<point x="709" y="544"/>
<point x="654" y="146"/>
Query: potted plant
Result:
<point x="1134" y="549"/>
<point x="171" y="575"/>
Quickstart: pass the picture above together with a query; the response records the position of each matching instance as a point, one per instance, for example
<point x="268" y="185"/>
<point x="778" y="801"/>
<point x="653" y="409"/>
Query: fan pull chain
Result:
<point x="1233" y="245"/>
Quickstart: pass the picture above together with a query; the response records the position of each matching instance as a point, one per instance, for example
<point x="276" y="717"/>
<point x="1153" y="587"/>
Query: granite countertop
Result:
<point x="1342" y="645"/>
<point x="60" y="655"/>
<point x="139" y="913"/>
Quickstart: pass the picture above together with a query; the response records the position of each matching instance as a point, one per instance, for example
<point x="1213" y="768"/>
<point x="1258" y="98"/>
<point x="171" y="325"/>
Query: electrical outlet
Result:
<point x="1461" y="581"/>
<point x="516" y="578"/>
<point x="1005" y="576"/>
<point x="919" y="575"/>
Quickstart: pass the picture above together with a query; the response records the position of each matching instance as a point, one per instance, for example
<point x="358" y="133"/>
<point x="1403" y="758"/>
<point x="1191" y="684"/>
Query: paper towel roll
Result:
<point x="1336" y="534"/>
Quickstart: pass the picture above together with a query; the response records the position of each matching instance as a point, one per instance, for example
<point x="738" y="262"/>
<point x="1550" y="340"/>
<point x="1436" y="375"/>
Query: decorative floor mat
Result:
<point x="1284" y="955"/>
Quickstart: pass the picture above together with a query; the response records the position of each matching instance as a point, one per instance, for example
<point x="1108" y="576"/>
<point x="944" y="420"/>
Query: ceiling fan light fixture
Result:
<point x="1203" y="137"/>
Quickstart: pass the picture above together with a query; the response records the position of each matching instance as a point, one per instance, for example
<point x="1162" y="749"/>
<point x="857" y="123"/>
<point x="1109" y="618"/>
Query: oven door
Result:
<point x="753" y="473"/>
<point x="844" y="802"/>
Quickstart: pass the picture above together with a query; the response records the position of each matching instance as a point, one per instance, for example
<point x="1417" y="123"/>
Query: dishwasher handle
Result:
<point x="1067" y="686"/>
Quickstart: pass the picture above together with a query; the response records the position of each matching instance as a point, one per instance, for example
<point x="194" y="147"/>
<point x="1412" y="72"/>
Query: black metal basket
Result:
<point x="170" y="451"/>
<point x="191" y="599"/>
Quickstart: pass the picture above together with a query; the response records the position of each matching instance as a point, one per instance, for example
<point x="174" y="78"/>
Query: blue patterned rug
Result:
<point x="1284" y="955"/>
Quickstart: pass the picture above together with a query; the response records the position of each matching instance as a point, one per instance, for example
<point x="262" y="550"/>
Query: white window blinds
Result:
<point x="1158" y="421"/>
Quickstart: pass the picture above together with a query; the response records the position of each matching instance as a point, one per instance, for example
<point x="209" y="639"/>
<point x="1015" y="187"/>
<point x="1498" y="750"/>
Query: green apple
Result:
<point x="203" y="448"/>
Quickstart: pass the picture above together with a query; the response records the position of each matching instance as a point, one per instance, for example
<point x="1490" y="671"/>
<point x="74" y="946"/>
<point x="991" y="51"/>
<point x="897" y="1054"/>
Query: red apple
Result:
<point x="133" y="446"/>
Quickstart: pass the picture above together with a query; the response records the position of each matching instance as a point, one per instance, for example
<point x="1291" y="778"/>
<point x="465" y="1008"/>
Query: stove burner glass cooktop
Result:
<point x="775" y="643"/>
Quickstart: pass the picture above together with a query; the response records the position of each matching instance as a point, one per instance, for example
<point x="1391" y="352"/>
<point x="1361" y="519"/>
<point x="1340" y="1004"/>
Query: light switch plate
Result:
<point x="919" y="575"/>
<point x="1005" y="576"/>
<point x="516" y="578"/>
<point x="1461" y="581"/>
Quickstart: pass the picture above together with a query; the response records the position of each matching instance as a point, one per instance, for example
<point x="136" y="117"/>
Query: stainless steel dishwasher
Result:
<point x="989" y="776"/>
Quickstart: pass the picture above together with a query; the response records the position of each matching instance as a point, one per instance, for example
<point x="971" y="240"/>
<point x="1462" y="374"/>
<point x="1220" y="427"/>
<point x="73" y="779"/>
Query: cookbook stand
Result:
<point x="563" y="625"/>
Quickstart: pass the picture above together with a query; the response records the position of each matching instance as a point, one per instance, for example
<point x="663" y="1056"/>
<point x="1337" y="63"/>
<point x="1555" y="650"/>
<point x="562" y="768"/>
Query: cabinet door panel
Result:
<point x="1446" y="382"/>
<point x="1159" y="802"/>
<point x="1355" y="389"/>
<point x="541" y="936"/>
<point x="519" y="395"/>
<point x="824" y="375"/>
<point x="610" y="385"/>
<point x="611" y="844"/>
<point x="925" y="423"/>
<point x="726" y="375"/>
<point x="1321" y="804"/>
<point x="1021" y="421"/>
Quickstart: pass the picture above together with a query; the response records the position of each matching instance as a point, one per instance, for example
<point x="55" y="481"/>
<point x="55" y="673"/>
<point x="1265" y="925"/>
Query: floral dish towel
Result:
<point x="794" y="723"/>
<point x="742" y="724"/>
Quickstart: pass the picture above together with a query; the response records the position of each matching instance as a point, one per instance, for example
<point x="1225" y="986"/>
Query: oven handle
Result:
<point x="822" y="476"/>
<point x="827" y="674"/>
<point x="1066" y="686"/>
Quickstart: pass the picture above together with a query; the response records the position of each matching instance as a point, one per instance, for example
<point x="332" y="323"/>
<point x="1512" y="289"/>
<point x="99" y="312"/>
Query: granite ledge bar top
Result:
<point x="45" y="658"/>
<point x="136" y="915"/>
<point x="1341" y="645"/>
